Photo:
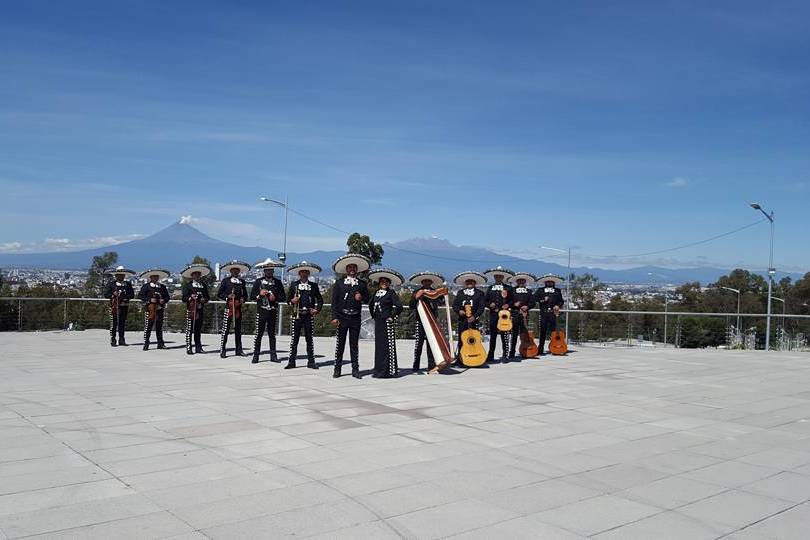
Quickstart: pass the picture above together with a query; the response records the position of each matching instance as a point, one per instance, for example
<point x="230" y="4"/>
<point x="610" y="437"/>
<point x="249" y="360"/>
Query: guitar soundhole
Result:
<point x="471" y="341"/>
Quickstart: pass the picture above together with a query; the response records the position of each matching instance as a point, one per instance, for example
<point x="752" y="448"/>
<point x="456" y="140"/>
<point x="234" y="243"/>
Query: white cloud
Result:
<point x="66" y="244"/>
<point x="677" y="182"/>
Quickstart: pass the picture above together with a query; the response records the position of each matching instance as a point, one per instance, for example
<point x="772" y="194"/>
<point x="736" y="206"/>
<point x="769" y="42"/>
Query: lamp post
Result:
<point x="283" y="255"/>
<point x="567" y="286"/>
<point x="771" y="272"/>
<point x="738" y="303"/>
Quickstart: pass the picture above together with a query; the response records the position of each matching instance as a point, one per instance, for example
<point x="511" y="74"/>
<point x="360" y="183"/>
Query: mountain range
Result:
<point x="176" y="245"/>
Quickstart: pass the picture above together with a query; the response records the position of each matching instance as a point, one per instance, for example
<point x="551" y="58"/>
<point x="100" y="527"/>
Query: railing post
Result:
<point x="279" y="320"/>
<point x="19" y="315"/>
<point x="64" y="316"/>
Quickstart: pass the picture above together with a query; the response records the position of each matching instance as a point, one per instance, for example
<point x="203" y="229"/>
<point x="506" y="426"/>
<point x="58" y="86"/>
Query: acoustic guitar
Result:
<point x="504" y="321"/>
<point x="528" y="346"/>
<point x="472" y="353"/>
<point x="558" y="346"/>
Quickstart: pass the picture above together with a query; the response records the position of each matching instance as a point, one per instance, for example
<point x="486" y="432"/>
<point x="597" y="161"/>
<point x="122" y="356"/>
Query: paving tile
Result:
<point x="526" y="528"/>
<point x="156" y="525"/>
<point x="792" y="524"/>
<point x="663" y="526"/>
<point x="672" y="492"/>
<point x="597" y="514"/>
<point x="734" y="509"/>
<point x="787" y="486"/>
<point x="449" y="519"/>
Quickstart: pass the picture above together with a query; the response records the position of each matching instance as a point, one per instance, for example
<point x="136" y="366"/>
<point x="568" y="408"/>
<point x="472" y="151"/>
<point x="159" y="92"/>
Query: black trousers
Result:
<point x="464" y="325"/>
<point x="118" y="323"/>
<point x="493" y="334"/>
<point x="548" y="323"/>
<point x="265" y="320"/>
<point x="226" y="329"/>
<point x="348" y="326"/>
<point x="518" y="327"/>
<point x="148" y="325"/>
<point x="385" y="348"/>
<point x="302" y="324"/>
<point x="421" y="338"/>
<point x="194" y="330"/>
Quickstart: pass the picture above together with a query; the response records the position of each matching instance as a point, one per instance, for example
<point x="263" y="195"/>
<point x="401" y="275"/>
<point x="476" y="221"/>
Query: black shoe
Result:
<point x="222" y="354"/>
<point x="274" y="358"/>
<point x="146" y="347"/>
<point x="255" y="360"/>
<point x="122" y="343"/>
<point x="113" y="343"/>
<point x="312" y="365"/>
<point x="189" y="351"/>
<point x="504" y="360"/>
<point x="336" y="374"/>
<point x="240" y="352"/>
<point x="416" y="368"/>
<point x="290" y="365"/>
<point x="162" y="346"/>
<point x="431" y="367"/>
<point x="198" y="349"/>
<point x="356" y="373"/>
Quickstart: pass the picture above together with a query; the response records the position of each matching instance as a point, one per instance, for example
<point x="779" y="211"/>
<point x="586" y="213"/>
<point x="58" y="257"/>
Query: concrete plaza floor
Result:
<point x="647" y="444"/>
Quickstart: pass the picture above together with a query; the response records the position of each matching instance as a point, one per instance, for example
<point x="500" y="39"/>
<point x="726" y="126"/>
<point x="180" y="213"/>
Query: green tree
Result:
<point x="364" y="245"/>
<point x="96" y="274"/>
<point x="583" y="291"/>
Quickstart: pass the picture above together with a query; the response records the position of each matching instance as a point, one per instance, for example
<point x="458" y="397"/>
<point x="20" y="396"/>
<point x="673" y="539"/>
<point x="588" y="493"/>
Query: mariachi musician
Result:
<point x="267" y="291"/>
<point x="549" y="300"/>
<point x="385" y="306"/>
<point x="195" y="296"/>
<point x="470" y="296"/>
<point x="427" y="281"/>
<point x="154" y="297"/>
<point x="348" y="296"/>
<point x="305" y="298"/>
<point x="522" y="302"/>
<point x="119" y="291"/>
<point x="498" y="297"/>
<point x="233" y="290"/>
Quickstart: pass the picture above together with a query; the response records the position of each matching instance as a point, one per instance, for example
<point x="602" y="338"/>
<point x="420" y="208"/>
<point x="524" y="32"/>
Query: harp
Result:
<point x="439" y="346"/>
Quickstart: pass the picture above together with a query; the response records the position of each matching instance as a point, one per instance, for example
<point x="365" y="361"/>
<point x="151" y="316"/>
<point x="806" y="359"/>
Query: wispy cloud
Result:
<point x="66" y="244"/>
<point x="677" y="182"/>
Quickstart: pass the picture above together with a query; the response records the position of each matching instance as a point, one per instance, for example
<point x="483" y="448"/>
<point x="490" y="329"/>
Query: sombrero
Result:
<point x="479" y="278"/>
<point x="203" y="269"/>
<point x="121" y="270"/>
<point x="550" y="277"/>
<point x="363" y="263"/>
<point x="436" y="279"/>
<point x="304" y="265"/>
<point x="268" y="263"/>
<point x="241" y="265"/>
<point x="394" y="276"/>
<point x="530" y="278"/>
<point x="490" y="274"/>
<point x="152" y="271"/>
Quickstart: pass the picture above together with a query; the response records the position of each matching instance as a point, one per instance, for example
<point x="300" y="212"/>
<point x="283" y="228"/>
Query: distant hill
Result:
<point x="175" y="246"/>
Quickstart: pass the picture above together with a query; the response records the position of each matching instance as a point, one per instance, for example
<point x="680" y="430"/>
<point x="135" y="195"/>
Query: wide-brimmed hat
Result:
<point x="530" y="278"/>
<point x="490" y="274"/>
<point x="152" y="271"/>
<point x="121" y="270"/>
<point x="550" y="277"/>
<point x="478" y="277"/>
<point x="393" y="276"/>
<point x="435" y="278"/>
<point x="203" y="269"/>
<point x="243" y="267"/>
<point x="268" y="263"/>
<point x="363" y="263"/>
<point x="304" y="265"/>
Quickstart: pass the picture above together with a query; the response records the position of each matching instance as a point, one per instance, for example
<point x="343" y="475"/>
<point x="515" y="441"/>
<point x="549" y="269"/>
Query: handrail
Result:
<point x="535" y="310"/>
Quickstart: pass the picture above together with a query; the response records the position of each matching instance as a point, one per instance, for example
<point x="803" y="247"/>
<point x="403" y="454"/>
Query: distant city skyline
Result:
<point x="618" y="129"/>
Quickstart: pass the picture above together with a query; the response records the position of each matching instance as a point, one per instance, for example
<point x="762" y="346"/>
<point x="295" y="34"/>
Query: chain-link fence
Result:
<point x="601" y="328"/>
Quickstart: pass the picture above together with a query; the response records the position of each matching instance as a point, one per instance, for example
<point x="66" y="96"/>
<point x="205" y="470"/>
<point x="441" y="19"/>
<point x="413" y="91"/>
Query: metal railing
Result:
<point x="602" y="328"/>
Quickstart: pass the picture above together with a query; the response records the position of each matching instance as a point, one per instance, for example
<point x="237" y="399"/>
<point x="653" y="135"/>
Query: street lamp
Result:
<point x="738" y="303"/>
<point x="283" y="255"/>
<point x="567" y="279"/>
<point x="771" y="272"/>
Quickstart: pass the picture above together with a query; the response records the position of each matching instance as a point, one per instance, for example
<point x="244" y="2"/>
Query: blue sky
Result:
<point x="620" y="129"/>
